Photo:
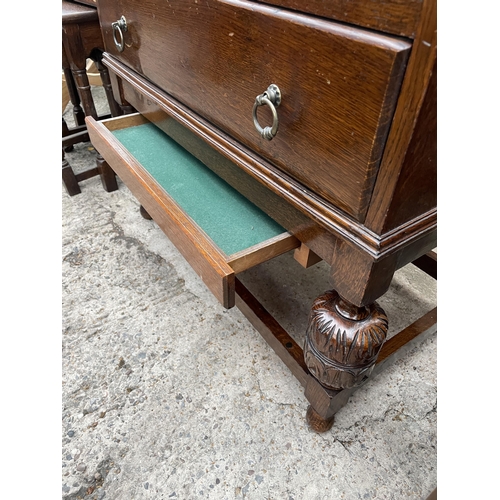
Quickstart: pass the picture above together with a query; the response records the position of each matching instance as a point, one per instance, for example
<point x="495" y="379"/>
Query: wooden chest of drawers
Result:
<point x="323" y="114"/>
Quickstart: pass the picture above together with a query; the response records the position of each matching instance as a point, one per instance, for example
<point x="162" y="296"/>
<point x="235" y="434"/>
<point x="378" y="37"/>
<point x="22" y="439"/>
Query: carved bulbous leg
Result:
<point x="343" y="340"/>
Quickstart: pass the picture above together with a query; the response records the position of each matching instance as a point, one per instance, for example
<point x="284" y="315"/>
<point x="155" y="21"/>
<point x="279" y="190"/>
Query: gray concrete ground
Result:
<point x="168" y="395"/>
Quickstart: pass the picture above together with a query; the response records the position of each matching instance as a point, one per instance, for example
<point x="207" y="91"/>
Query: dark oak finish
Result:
<point x="316" y="422"/>
<point x="325" y="402"/>
<point x="343" y="341"/>
<point x="416" y="189"/>
<point x="262" y="252"/>
<point x="74" y="97"/>
<point x="68" y="177"/>
<point x="148" y="99"/>
<point x="82" y="39"/>
<point x="206" y="259"/>
<point x="75" y="13"/>
<point x="176" y="122"/>
<point x="409" y="120"/>
<point x="391" y="347"/>
<point x="325" y="84"/>
<point x="350" y="174"/>
<point x="399" y="17"/>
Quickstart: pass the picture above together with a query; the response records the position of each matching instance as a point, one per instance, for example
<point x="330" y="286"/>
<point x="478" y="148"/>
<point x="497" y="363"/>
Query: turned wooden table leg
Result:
<point x="108" y="177"/>
<point x="78" y="114"/>
<point x="114" y="108"/>
<point x="341" y="347"/>
<point x="65" y="133"/>
<point x="84" y="89"/>
<point x="68" y="177"/>
<point x="107" y="174"/>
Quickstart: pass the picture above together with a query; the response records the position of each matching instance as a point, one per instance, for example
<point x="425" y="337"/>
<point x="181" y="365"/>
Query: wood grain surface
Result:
<point x="339" y="84"/>
<point x="399" y="17"/>
<point x="411" y="119"/>
<point x="321" y="224"/>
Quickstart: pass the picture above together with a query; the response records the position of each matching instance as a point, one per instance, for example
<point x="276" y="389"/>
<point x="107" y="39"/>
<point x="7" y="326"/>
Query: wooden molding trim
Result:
<point x="415" y="83"/>
<point x="322" y="212"/>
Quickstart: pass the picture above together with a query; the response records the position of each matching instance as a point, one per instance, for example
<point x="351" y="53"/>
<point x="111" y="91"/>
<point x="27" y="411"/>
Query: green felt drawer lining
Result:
<point x="228" y="218"/>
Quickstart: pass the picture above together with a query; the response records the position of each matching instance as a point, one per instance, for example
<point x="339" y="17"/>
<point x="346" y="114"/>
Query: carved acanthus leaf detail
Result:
<point x="342" y="341"/>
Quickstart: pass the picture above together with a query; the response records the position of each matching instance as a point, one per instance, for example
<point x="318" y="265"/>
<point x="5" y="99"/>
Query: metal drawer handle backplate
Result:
<point x="119" y="27"/>
<point x="271" y="97"/>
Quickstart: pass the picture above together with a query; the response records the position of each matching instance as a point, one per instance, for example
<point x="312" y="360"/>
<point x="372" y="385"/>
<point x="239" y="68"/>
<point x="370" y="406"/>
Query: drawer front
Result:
<point x="338" y="84"/>
<point x="217" y="230"/>
<point x="398" y="17"/>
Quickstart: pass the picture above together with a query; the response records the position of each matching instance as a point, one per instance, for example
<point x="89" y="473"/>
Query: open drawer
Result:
<point x="217" y="230"/>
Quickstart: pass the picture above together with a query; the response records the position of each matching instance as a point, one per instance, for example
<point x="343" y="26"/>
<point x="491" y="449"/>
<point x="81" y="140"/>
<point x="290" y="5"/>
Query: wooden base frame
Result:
<point x="76" y="135"/>
<point x="324" y="403"/>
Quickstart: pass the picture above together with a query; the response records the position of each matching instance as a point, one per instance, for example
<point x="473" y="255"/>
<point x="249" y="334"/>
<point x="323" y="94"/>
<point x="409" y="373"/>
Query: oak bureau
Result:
<point x="306" y="125"/>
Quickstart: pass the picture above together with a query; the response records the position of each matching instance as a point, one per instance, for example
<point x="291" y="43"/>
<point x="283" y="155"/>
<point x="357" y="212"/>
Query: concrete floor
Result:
<point x="168" y="395"/>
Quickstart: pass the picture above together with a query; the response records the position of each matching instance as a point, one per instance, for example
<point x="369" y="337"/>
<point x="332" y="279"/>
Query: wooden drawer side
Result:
<point x="204" y="258"/>
<point x="145" y="169"/>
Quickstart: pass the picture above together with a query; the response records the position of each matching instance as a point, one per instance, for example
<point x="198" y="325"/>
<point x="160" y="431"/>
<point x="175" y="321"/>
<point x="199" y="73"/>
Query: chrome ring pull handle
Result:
<point x="119" y="27"/>
<point x="271" y="97"/>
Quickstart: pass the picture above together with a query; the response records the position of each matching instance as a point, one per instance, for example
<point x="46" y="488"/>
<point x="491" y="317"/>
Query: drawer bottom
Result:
<point x="218" y="230"/>
<point x="230" y="220"/>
